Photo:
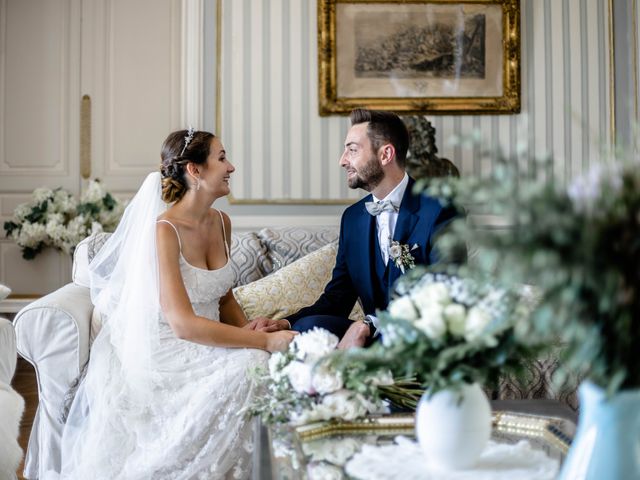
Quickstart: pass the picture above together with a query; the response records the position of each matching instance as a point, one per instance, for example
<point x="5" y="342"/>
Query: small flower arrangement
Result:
<point x="302" y="386"/>
<point x="448" y="331"/>
<point x="54" y="218"/>
<point x="401" y="256"/>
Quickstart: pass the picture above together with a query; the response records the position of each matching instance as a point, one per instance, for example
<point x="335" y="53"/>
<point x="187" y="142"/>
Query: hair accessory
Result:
<point x="188" y="138"/>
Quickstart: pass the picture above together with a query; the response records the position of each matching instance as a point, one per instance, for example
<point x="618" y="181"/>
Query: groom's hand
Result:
<point x="265" y="324"/>
<point x="356" y="336"/>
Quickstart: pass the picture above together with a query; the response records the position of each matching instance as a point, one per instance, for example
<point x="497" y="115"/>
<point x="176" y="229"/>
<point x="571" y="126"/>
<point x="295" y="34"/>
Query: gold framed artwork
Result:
<point x="419" y="56"/>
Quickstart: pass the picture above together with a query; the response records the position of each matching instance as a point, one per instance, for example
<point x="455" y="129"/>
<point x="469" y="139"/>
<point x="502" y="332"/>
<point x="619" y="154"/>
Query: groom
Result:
<point x="366" y="267"/>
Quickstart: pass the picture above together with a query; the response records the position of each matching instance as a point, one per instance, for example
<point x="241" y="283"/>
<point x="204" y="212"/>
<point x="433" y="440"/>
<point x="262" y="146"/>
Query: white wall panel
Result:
<point x="39" y="107"/>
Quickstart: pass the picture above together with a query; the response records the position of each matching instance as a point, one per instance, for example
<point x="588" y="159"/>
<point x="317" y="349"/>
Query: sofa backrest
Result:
<point x="253" y="254"/>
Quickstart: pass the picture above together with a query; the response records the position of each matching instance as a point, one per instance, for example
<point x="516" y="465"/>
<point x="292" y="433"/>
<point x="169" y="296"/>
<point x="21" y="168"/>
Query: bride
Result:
<point x="168" y="378"/>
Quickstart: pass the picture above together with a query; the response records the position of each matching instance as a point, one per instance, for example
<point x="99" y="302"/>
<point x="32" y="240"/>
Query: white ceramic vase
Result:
<point x="454" y="426"/>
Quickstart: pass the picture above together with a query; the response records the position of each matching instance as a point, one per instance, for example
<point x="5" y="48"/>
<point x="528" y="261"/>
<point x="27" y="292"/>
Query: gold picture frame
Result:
<point x="419" y="56"/>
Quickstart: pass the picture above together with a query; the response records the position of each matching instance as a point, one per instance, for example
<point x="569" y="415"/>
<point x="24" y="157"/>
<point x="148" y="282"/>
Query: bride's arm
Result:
<point x="178" y="310"/>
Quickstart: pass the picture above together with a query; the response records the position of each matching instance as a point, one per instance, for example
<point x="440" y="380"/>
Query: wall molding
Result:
<point x="192" y="60"/>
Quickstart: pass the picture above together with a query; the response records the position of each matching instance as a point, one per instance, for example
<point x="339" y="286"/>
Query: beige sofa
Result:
<point x="55" y="332"/>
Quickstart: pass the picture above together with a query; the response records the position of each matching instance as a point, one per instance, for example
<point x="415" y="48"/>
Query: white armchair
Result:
<point x="53" y="335"/>
<point x="11" y="404"/>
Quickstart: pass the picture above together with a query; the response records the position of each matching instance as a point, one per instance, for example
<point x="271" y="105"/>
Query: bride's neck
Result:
<point x="194" y="207"/>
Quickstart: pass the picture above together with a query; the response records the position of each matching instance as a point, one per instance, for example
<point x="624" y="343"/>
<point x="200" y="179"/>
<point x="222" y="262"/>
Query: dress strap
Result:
<point x="176" y="230"/>
<point x="224" y="234"/>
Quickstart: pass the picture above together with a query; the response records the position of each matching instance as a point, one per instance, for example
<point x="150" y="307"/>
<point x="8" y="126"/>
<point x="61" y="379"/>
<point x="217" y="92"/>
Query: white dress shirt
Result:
<point x="386" y="221"/>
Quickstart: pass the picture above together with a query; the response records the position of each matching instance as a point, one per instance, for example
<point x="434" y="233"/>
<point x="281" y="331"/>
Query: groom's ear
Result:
<point x="386" y="153"/>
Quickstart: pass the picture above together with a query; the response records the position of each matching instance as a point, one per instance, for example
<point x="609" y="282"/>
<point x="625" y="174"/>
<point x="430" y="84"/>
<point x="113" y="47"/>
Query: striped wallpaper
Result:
<point x="285" y="152"/>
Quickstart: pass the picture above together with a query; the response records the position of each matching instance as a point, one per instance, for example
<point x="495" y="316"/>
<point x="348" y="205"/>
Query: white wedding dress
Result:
<point x="188" y="422"/>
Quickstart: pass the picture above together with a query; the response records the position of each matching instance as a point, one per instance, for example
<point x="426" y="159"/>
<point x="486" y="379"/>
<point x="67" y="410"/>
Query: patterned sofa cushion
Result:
<point x="539" y="383"/>
<point x="292" y="287"/>
<point x="287" y="244"/>
<point x="249" y="258"/>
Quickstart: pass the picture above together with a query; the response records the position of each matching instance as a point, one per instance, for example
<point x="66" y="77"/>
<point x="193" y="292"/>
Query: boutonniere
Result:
<point x="401" y="255"/>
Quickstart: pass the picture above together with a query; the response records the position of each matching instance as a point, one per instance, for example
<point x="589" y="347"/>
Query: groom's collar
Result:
<point x="397" y="194"/>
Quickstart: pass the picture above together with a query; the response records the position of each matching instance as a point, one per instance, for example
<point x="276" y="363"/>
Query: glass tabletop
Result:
<point x="321" y="450"/>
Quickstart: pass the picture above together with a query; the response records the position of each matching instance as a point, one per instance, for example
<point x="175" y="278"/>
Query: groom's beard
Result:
<point x="369" y="177"/>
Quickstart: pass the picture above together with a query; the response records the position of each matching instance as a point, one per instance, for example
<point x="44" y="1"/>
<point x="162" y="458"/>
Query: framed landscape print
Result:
<point x="438" y="56"/>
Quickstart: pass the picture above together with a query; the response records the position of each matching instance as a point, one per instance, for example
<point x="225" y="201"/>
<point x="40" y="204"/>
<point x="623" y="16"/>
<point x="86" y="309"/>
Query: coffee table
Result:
<point x="285" y="453"/>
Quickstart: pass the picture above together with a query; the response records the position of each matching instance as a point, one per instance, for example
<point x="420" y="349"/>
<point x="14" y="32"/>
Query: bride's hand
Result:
<point x="264" y="324"/>
<point x="279" y="341"/>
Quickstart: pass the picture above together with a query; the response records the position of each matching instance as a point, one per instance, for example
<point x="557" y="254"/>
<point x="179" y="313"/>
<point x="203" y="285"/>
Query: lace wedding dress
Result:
<point x="185" y="419"/>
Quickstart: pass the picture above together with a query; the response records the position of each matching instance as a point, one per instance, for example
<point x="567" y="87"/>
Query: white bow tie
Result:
<point x="376" y="208"/>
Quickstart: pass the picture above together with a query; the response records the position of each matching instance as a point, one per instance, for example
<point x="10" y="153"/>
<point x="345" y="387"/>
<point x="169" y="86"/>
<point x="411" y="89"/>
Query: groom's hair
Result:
<point x="384" y="127"/>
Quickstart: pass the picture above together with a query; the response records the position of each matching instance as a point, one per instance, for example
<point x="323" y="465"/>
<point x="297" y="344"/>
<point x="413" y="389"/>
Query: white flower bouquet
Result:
<point x="447" y="331"/>
<point x="302" y="386"/>
<point x="54" y="218"/>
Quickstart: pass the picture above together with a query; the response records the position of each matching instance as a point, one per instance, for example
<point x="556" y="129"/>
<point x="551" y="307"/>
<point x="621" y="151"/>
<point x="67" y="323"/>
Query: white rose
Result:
<point x="403" y="308"/>
<point x="431" y="294"/>
<point x="324" y="380"/>
<point x="477" y="321"/>
<point x="395" y="251"/>
<point x="455" y="315"/>
<point x="299" y="375"/>
<point x="311" y="346"/>
<point x="343" y="404"/>
<point x="432" y="322"/>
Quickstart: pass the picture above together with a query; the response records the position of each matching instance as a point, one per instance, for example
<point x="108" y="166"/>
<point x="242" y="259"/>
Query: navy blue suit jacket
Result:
<point x="354" y="274"/>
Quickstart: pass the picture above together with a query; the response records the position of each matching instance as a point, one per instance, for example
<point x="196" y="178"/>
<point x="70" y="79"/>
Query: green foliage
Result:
<point x="579" y="244"/>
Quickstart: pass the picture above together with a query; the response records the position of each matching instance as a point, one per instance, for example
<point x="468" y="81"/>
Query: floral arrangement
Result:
<point x="401" y="255"/>
<point x="54" y="218"/>
<point x="448" y="331"/>
<point x="302" y="386"/>
<point x="577" y="242"/>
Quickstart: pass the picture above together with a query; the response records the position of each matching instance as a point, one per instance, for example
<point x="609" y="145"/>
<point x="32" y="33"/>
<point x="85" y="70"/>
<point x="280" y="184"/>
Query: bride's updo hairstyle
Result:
<point x="178" y="150"/>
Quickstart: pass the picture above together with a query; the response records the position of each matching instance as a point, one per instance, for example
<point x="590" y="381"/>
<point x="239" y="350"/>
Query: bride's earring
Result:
<point x="197" y="184"/>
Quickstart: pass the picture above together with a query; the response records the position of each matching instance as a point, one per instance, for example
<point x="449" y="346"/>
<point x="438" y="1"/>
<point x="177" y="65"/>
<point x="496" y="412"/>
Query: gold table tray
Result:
<point x="296" y="452"/>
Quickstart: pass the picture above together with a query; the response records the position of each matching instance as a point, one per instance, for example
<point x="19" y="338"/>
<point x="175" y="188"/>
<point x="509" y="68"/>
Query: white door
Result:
<point x="131" y="72"/>
<point x="123" y="57"/>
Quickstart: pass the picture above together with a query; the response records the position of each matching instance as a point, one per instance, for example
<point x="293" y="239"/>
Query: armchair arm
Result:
<point x="53" y="335"/>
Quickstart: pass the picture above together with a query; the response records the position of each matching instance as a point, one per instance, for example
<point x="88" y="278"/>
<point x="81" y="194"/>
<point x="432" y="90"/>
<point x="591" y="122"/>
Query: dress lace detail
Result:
<point x="196" y="426"/>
